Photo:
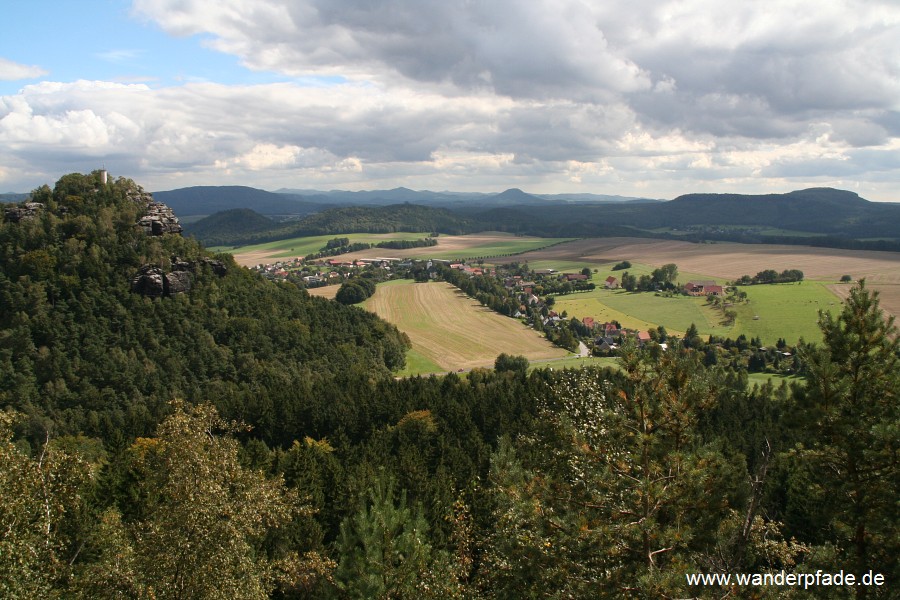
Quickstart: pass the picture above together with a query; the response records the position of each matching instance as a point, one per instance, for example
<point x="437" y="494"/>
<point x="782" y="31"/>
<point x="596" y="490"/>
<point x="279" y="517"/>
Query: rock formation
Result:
<point x="26" y="211"/>
<point x="152" y="281"/>
<point x="158" y="218"/>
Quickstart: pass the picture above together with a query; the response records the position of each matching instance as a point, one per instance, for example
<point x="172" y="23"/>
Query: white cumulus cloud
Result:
<point x="13" y="71"/>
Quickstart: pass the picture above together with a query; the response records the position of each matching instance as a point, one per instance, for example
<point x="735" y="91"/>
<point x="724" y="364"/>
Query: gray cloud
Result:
<point x="639" y="95"/>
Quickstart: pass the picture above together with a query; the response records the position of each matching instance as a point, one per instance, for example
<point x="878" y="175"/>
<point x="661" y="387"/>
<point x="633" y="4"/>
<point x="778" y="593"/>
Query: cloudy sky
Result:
<point x="648" y="98"/>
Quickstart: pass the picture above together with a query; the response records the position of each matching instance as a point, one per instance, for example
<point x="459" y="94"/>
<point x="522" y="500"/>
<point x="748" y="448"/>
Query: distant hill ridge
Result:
<point x="236" y="227"/>
<point x="208" y="200"/>
<point x="831" y="212"/>
<point x="818" y="210"/>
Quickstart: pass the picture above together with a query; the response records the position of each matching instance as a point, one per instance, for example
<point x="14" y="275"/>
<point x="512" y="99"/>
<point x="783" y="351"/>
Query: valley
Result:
<point x="771" y="312"/>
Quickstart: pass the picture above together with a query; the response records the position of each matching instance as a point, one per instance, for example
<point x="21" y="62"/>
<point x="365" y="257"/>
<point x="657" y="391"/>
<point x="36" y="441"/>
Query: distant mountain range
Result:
<point x="838" y="218"/>
<point x="206" y="200"/>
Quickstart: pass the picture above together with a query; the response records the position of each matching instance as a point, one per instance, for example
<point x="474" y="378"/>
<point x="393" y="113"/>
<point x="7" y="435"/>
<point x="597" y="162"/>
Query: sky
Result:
<point x="650" y="98"/>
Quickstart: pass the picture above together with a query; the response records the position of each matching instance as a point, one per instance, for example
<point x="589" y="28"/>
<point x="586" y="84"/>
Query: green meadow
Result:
<point x="788" y="311"/>
<point x="302" y="246"/>
<point x="418" y="364"/>
<point x="492" y="247"/>
<point x="605" y="269"/>
<point x="643" y="310"/>
<point x="785" y="310"/>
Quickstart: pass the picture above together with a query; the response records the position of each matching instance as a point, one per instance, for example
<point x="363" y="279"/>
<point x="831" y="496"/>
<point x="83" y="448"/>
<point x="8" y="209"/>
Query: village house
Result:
<point x="611" y="283"/>
<point x="703" y="288"/>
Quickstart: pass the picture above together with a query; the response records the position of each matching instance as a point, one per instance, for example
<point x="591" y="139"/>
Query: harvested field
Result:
<point x="729" y="260"/>
<point x="888" y="294"/>
<point x="454" y="331"/>
<point x="328" y="291"/>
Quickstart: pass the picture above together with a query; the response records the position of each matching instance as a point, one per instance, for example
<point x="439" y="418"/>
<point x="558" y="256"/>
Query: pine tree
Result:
<point x="383" y="548"/>
<point x="615" y="493"/>
<point x="852" y="400"/>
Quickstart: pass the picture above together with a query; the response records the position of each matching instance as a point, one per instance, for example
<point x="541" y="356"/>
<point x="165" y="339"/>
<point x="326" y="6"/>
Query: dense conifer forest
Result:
<point x="230" y="437"/>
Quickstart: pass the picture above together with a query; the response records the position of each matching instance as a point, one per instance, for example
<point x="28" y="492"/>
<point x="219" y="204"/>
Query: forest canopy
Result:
<point x="239" y="438"/>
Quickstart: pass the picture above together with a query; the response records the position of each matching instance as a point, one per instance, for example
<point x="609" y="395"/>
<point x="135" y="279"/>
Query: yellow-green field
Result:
<point x="298" y="247"/>
<point x="449" y="247"/>
<point x="789" y="311"/>
<point x="451" y="331"/>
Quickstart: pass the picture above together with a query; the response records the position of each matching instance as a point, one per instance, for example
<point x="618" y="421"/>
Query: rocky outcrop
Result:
<point x="177" y="282"/>
<point x="159" y="220"/>
<point x="217" y="266"/>
<point x="149" y="281"/>
<point x="23" y="212"/>
<point x="153" y="282"/>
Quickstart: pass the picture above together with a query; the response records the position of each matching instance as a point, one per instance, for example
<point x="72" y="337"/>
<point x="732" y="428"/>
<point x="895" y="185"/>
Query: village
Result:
<point x="529" y="295"/>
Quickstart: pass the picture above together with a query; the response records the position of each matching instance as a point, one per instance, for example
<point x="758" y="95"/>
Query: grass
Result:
<point x="775" y="379"/>
<point x="418" y="364"/>
<point x="788" y="311"/>
<point x="604" y="269"/>
<point x="302" y="246"/>
<point x="500" y="245"/>
<point x="785" y="310"/>
<point x="574" y="362"/>
<point x="451" y="331"/>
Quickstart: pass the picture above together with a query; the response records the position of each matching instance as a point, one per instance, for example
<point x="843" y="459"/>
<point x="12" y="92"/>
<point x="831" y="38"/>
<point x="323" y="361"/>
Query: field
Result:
<point x="260" y="253"/>
<point x="328" y="291"/>
<point x="450" y="331"/>
<point x="728" y="260"/>
<point x="643" y="311"/>
<point x="449" y="247"/>
<point x="784" y="310"/>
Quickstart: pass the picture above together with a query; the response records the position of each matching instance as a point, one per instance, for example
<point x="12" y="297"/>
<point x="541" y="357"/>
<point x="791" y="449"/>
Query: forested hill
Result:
<point x="839" y="218"/>
<point x="85" y="347"/>
<point x="354" y="219"/>
<point x="820" y="210"/>
<point x="209" y="199"/>
<point x="221" y="228"/>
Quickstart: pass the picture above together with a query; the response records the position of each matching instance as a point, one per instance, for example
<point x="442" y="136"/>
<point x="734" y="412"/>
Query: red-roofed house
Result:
<point x="703" y="288"/>
<point x="612" y="283"/>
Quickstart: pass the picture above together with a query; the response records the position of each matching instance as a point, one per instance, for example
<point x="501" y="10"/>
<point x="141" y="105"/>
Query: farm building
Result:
<point x="703" y="288"/>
